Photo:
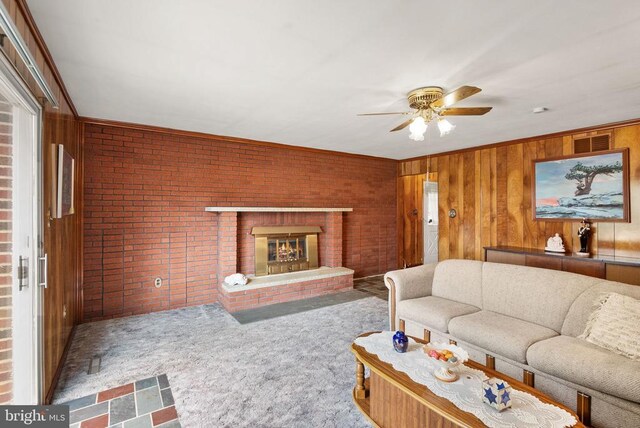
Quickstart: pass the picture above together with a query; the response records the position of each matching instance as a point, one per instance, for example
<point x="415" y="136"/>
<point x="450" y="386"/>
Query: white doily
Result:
<point x="466" y="393"/>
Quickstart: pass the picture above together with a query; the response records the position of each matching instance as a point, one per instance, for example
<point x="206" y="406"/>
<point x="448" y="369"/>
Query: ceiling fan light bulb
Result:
<point x="417" y="128"/>
<point x="445" y="126"/>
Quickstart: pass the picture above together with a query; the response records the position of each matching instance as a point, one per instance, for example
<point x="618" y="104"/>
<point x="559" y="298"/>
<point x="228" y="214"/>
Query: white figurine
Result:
<point x="236" y="279"/>
<point x="555" y="244"/>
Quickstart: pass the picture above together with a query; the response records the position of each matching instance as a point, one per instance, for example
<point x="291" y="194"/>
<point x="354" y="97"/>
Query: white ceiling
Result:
<point x="298" y="71"/>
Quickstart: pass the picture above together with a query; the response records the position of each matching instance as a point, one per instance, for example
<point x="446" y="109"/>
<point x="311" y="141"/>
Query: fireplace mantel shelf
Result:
<point x="276" y="209"/>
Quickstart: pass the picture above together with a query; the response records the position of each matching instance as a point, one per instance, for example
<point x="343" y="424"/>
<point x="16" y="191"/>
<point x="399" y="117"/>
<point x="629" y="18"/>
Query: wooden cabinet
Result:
<point x="591" y="268"/>
<point x="621" y="269"/>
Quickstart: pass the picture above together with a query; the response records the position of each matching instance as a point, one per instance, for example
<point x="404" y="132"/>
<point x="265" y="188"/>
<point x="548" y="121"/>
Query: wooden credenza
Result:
<point x="622" y="269"/>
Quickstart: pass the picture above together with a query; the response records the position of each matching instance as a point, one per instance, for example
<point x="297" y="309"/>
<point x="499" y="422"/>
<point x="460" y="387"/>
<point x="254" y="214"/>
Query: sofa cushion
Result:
<point x="499" y="334"/>
<point x="583" y="363"/>
<point x="459" y="280"/>
<point x="539" y="296"/>
<point x="433" y="312"/>
<point x="578" y="315"/>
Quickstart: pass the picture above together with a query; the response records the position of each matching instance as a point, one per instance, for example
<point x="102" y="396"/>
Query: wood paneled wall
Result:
<point x="62" y="237"/>
<point x="490" y="188"/>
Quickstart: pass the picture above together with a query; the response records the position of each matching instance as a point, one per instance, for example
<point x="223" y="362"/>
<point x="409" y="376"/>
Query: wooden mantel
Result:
<point x="276" y="209"/>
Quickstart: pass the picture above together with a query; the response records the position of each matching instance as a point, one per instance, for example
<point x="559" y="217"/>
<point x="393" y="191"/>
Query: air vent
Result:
<point x="582" y="145"/>
<point x="595" y="143"/>
<point x="599" y="143"/>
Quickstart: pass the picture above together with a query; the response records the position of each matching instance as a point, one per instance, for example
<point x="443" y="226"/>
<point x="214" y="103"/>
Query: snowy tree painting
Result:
<point x="586" y="186"/>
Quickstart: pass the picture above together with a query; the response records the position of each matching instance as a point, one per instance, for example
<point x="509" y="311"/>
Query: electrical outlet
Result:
<point x="158" y="282"/>
<point x="64" y="311"/>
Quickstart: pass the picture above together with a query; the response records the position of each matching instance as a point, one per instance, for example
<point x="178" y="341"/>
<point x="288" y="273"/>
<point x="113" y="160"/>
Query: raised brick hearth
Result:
<point x="236" y="254"/>
<point x="239" y="298"/>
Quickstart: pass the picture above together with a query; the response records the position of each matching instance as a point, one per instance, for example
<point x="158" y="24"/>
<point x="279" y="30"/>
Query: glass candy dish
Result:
<point x="445" y="372"/>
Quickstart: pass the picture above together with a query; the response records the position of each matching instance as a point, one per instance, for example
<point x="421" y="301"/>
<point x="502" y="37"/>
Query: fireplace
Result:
<point x="282" y="249"/>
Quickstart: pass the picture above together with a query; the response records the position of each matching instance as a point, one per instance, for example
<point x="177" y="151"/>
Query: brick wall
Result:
<point x="6" y="270"/>
<point x="145" y="194"/>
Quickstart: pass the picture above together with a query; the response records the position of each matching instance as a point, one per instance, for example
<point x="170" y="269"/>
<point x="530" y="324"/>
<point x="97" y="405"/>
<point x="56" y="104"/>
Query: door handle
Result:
<point x="43" y="272"/>
<point x="23" y="272"/>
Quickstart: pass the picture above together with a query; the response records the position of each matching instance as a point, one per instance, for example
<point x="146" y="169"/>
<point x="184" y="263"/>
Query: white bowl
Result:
<point x="444" y="372"/>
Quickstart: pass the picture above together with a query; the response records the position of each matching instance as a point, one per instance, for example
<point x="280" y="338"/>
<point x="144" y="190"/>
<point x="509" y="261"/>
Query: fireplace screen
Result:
<point x="287" y="249"/>
<point x="281" y="249"/>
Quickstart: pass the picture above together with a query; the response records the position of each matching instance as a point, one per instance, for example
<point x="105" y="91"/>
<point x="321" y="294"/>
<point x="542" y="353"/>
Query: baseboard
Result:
<point x="56" y="375"/>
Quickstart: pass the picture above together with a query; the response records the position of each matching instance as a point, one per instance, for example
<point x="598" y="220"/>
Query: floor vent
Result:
<point x="94" y="364"/>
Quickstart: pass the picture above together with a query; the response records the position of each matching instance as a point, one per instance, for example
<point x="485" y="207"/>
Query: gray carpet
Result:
<point x="291" y="371"/>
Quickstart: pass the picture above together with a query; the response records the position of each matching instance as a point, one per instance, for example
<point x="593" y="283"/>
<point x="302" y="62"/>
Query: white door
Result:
<point x="19" y="129"/>
<point x="430" y="202"/>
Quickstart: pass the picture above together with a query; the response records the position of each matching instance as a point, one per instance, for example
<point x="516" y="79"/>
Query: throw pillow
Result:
<point x="615" y="325"/>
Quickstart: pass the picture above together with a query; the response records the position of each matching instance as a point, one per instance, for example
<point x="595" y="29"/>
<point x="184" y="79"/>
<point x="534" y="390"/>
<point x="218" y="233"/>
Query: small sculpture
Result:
<point x="555" y="244"/>
<point x="236" y="279"/>
<point x="584" y="231"/>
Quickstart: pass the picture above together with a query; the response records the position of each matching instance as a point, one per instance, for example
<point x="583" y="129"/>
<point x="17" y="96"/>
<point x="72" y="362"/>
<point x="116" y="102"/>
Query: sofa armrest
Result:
<point x="407" y="284"/>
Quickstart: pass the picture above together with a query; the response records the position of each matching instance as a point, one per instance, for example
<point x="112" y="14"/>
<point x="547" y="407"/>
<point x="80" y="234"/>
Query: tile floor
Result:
<point x="372" y="285"/>
<point x="143" y="404"/>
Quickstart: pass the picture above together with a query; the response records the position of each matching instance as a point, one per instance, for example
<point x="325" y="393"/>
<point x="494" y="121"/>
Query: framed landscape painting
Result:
<point x="593" y="185"/>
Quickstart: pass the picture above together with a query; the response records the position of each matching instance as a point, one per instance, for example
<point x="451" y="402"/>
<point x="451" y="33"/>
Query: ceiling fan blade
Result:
<point x="453" y="97"/>
<point x="402" y="125"/>
<point x="381" y="114"/>
<point x="465" y="111"/>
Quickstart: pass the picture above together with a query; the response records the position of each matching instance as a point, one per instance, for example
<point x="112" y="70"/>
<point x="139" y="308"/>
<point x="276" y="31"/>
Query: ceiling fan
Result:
<point x="429" y="104"/>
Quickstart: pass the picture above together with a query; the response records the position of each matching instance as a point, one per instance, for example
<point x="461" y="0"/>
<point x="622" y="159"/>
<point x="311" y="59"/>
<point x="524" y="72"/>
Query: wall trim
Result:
<point x="79" y="289"/>
<point x="31" y="25"/>
<point x="23" y="52"/>
<point x="213" y="137"/>
<point x="593" y="128"/>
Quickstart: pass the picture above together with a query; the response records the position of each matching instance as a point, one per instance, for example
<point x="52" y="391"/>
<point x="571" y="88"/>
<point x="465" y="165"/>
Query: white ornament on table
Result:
<point x="555" y="244"/>
<point x="236" y="279"/>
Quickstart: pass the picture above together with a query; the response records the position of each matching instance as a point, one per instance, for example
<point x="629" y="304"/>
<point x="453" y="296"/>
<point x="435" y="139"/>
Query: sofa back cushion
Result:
<point x="540" y="296"/>
<point x="459" y="280"/>
<point x="578" y="315"/>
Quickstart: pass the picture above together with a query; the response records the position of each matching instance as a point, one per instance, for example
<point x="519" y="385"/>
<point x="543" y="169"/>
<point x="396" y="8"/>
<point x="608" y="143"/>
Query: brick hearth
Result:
<point x="237" y="299"/>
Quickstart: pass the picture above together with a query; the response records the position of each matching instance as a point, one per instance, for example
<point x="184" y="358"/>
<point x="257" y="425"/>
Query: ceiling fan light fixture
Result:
<point x="417" y="128"/>
<point x="429" y="104"/>
<point x="445" y="126"/>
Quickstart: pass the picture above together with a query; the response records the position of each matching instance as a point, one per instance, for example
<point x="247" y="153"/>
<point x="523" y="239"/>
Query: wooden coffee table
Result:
<point x="390" y="399"/>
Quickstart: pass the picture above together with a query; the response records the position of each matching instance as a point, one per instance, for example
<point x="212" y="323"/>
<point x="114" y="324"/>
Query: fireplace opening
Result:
<point x="282" y="249"/>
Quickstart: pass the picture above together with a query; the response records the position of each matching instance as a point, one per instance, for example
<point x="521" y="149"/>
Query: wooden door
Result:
<point x="410" y="219"/>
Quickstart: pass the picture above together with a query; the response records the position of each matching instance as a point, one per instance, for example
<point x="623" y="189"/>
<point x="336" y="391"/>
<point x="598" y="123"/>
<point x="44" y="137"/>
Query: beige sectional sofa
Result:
<point x="528" y="321"/>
